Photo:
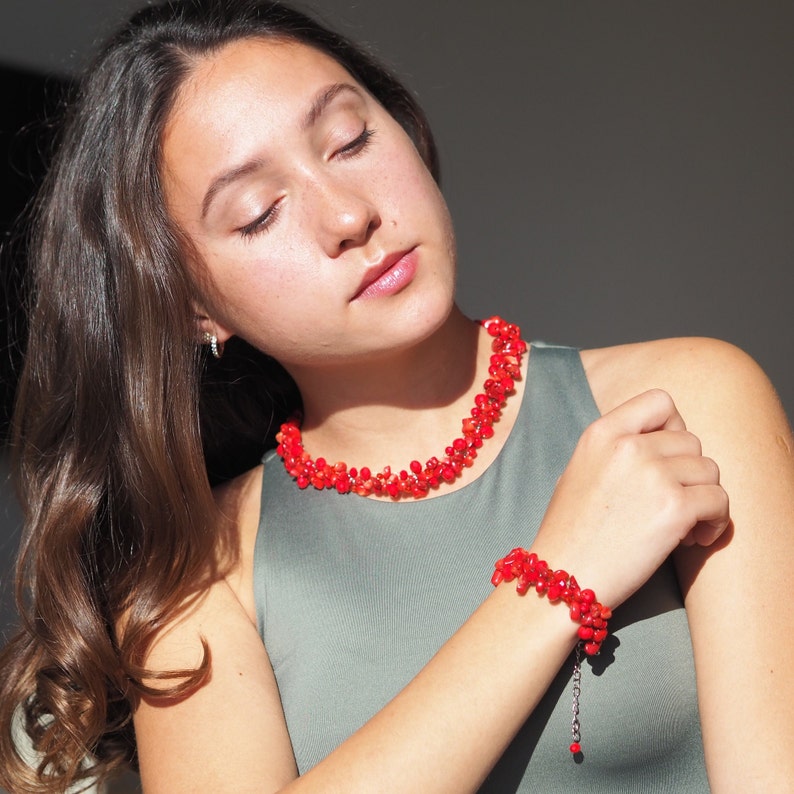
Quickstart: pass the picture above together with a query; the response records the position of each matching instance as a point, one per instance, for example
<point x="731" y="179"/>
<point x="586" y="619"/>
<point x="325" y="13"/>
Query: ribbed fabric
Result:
<point x="355" y="595"/>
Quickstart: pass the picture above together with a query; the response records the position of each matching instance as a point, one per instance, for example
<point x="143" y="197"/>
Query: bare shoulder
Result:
<point x="709" y="380"/>
<point x="727" y="401"/>
<point x="238" y="502"/>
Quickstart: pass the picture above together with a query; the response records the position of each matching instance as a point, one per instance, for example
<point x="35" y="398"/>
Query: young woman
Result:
<point x="233" y="174"/>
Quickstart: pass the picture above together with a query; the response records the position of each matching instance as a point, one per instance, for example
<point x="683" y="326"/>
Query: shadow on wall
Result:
<point x="29" y="101"/>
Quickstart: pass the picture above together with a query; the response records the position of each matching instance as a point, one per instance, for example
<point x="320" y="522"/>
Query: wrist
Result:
<point x="530" y="572"/>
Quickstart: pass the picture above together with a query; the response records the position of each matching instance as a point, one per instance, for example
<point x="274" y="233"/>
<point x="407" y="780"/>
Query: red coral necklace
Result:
<point x="415" y="481"/>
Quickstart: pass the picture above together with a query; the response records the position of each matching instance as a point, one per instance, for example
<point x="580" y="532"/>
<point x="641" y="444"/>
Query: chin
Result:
<point x="423" y="318"/>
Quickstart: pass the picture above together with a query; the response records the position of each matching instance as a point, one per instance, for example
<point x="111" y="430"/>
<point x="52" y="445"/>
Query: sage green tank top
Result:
<point x="355" y="595"/>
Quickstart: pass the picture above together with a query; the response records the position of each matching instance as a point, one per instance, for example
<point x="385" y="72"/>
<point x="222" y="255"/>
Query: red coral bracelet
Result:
<point x="529" y="571"/>
<point x="592" y="616"/>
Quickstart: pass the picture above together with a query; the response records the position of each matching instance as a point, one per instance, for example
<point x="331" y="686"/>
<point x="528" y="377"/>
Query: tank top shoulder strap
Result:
<point x="558" y="385"/>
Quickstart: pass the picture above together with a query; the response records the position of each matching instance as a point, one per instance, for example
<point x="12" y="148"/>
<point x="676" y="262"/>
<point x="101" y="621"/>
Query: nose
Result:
<point x="346" y="217"/>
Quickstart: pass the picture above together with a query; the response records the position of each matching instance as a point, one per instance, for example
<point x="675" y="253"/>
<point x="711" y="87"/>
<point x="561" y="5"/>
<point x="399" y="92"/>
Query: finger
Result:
<point x="691" y="470"/>
<point x="667" y="443"/>
<point x="712" y="514"/>
<point x="649" y="411"/>
<point x="706" y="533"/>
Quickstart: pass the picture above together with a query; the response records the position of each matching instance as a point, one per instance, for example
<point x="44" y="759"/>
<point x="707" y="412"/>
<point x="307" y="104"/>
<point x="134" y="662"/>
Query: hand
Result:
<point x="636" y="486"/>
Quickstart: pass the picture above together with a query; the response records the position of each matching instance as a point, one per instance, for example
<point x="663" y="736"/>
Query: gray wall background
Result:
<point x="618" y="171"/>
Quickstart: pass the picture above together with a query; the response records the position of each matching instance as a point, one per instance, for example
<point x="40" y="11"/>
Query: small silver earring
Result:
<point x="216" y="347"/>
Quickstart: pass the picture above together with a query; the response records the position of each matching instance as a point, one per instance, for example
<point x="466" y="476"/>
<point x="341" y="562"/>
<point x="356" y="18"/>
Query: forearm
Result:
<point x="442" y="733"/>
<point x="446" y="730"/>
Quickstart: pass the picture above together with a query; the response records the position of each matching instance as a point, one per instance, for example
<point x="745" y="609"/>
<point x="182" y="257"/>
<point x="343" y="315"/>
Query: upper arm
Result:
<point x="737" y="591"/>
<point x="228" y="735"/>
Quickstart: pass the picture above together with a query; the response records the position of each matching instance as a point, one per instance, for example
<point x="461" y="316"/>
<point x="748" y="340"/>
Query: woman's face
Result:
<point x="321" y="235"/>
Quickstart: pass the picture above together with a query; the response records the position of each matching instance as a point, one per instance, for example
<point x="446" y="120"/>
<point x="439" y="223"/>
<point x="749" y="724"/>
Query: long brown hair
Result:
<point x="121" y="421"/>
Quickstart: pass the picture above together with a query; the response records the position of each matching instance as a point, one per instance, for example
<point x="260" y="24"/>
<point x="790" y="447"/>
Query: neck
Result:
<point x="431" y="373"/>
<point x="404" y="406"/>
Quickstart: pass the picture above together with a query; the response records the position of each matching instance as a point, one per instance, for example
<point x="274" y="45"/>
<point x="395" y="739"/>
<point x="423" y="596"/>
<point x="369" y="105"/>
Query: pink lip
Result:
<point x="393" y="273"/>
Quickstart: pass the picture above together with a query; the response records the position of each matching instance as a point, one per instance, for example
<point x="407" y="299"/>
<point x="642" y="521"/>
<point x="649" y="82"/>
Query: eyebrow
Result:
<point x="318" y="107"/>
<point x="226" y="179"/>
<point x="324" y="99"/>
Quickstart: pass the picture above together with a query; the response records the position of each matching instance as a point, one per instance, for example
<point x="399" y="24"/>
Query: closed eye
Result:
<point x="263" y="222"/>
<point x="357" y="146"/>
<point x="268" y="217"/>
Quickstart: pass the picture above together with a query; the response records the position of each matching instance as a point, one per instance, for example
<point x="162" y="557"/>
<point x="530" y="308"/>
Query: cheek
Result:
<point x="412" y="187"/>
<point x="236" y="284"/>
<point x="247" y="289"/>
<point x="268" y="301"/>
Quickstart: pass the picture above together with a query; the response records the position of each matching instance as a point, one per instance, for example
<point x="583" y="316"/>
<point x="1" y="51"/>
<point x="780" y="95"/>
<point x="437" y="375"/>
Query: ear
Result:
<point x="206" y="325"/>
